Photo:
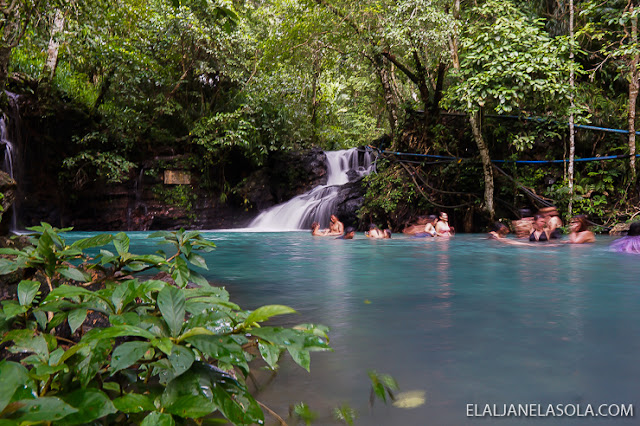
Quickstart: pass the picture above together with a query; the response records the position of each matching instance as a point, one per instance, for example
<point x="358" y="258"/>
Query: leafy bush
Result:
<point x="155" y="352"/>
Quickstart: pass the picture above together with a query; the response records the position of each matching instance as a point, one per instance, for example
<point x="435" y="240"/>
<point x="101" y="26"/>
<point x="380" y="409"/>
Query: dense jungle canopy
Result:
<point x="221" y="85"/>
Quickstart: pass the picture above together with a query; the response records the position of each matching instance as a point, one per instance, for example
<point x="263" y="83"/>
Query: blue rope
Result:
<point x="445" y="158"/>
<point x="578" y="126"/>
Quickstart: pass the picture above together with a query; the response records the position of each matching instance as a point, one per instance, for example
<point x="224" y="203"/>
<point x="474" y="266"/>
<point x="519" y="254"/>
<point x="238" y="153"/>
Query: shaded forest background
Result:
<point x="112" y="94"/>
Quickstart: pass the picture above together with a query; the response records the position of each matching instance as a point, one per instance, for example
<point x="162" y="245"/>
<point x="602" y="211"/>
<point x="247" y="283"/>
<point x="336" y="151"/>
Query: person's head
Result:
<point x="579" y="223"/>
<point x="444" y="217"/>
<point x="315" y="226"/>
<point x="500" y="229"/>
<point x="387" y="233"/>
<point x="334" y="218"/>
<point x="634" y="229"/>
<point x="432" y="219"/>
<point x="539" y="221"/>
<point x="525" y="213"/>
<point x="372" y="226"/>
<point x="349" y="233"/>
<point x="421" y="220"/>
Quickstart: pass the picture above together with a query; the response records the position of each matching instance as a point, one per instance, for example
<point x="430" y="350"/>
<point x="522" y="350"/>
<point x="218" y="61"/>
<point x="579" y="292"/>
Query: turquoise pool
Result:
<point x="466" y="320"/>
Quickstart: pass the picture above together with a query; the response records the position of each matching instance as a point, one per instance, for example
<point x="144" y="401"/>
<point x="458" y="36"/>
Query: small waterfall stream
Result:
<point x="318" y="204"/>
<point x="9" y="134"/>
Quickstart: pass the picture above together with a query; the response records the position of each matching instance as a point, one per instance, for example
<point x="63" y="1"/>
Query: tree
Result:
<point x="508" y="63"/>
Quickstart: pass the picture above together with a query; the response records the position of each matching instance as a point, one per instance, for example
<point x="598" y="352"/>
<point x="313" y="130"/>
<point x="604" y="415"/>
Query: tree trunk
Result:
<point x="5" y="56"/>
<point x="54" y="46"/>
<point x="380" y="64"/>
<point x="572" y="142"/>
<point x="474" y="119"/>
<point x="633" y="97"/>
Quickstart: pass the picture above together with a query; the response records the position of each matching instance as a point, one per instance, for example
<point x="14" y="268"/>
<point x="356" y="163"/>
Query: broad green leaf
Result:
<point x="27" y="290"/>
<point x="164" y="344"/>
<point x="95" y="241"/>
<point x="181" y="272"/>
<point x="10" y="309"/>
<point x="70" y="291"/>
<point x="158" y="419"/>
<point x="171" y="303"/>
<point x="122" y="295"/>
<point x="263" y="313"/>
<point x="115" y="331"/>
<point x="43" y="409"/>
<point x="76" y="318"/>
<point x="270" y="353"/>
<point x="191" y="406"/>
<point x="73" y="274"/>
<point x="221" y="348"/>
<point x="12" y="376"/>
<point x="121" y="242"/>
<point x="197" y="260"/>
<point x="181" y="359"/>
<point x="91" y="404"/>
<point x="127" y="354"/>
<point x="8" y="266"/>
<point x="300" y="356"/>
<point x="134" y="403"/>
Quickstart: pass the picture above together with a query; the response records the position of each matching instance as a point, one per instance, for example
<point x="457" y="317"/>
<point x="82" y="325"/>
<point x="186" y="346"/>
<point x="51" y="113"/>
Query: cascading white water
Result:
<point x="318" y="204"/>
<point x="6" y="136"/>
<point x="7" y="164"/>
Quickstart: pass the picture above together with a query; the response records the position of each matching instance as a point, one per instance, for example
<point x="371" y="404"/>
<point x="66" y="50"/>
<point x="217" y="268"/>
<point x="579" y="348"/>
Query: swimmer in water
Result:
<point x="579" y="232"/>
<point x="349" y="233"/>
<point x="539" y="233"/>
<point x="499" y="232"/>
<point x="442" y="227"/>
<point x="630" y="243"/>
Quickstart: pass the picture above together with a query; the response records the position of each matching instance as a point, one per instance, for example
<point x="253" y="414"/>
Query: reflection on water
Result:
<point x="465" y="320"/>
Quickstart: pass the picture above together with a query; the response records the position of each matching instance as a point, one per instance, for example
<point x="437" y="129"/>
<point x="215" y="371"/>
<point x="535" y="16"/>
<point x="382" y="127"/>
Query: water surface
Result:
<point x="466" y="320"/>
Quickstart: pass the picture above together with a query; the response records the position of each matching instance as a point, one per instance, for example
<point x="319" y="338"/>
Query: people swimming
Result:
<point x="554" y="223"/>
<point x="429" y="228"/>
<point x="539" y="233"/>
<point x="417" y="227"/>
<point x="374" y="232"/>
<point x="630" y="243"/>
<point x="442" y="226"/>
<point x="335" y="228"/>
<point x="316" y="232"/>
<point x="349" y="233"/>
<point x="500" y="231"/>
<point x="579" y="231"/>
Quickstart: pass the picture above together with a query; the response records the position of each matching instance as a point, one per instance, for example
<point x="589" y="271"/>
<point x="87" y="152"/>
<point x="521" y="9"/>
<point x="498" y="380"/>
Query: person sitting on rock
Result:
<point x="335" y="227"/>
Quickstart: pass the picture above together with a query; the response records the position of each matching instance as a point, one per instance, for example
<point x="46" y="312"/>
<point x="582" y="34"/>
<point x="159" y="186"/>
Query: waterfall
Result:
<point x="8" y="138"/>
<point x="318" y="204"/>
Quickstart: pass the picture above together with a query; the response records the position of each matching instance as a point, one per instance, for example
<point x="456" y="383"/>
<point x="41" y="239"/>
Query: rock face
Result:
<point x="144" y="202"/>
<point x="350" y="199"/>
<point x="286" y="175"/>
<point x="8" y="188"/>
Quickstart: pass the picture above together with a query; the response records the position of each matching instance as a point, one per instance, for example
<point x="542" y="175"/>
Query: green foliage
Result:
<point x="345" y="414"/>
<point x="596" y="190"/>
<point x="304" y="413"/>
<point x="181" y="196"/>
<point x="164" y="353"/>
<point x="389" y="194"/>
<point x="508" y="61"/>
<point x="382" y="386"/>
<point x="88" y="166"/>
